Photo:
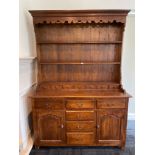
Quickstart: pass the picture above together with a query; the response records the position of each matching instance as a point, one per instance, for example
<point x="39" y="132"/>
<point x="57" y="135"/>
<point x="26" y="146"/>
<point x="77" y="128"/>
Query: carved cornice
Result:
<point x="79" y="17"/>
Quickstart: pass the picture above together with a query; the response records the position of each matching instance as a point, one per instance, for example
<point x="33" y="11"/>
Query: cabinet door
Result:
<point x="110" y="126"/>
<point x="50" y="126"/>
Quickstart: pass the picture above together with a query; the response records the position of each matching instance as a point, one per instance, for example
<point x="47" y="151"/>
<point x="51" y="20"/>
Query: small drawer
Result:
<point x="80" y="104"/>
<point x="49" y="104"/>
<point x="80" y="116"/>
<point x="80" y="125"/>
<point x="111" y="103"/>
<point x="80" y="138"/>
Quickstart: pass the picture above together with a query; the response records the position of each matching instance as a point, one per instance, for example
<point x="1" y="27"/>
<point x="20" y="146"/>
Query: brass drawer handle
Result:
<point x="80" y="105"/>
<point x="79" y="127"/>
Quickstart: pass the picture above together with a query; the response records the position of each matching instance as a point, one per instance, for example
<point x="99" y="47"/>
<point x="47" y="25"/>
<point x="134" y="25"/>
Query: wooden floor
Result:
<point x="129" y="149"/>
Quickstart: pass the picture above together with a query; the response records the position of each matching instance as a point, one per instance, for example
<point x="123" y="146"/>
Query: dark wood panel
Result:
<point x="50" y="126"/>
<point x="80" y="115"/>
<point x="110" y="125"/>
<point x="111" y="103"/>
<point x="80" y="104"/>
<point x="80" y="138"/>
<point x="80" y="53"/>
<point x="70" y="73"/>
<point x="80" y="126"/>
<point x="52" y="104"/>
<point x="74" y="33"/>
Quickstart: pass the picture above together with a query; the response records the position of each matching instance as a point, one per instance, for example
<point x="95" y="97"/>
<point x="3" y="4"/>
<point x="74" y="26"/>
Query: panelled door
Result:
<point x="50" y="126"/>
<point x="110" y="126"/>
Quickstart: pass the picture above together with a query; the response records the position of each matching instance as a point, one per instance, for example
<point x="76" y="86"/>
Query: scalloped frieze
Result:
<point x="79" y="20"/>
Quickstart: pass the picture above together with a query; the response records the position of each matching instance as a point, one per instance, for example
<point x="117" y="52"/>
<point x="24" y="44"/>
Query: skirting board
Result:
<point x="131" y="116"/>
<point x="27" y="149"/>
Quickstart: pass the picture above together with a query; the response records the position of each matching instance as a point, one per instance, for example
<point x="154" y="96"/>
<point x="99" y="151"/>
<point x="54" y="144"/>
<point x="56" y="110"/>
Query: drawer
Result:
<point x="80" y="104"/>
<point x="80" y="138"/>
<point x="49" y="104"/>
<point x="80" y="125"/>
<point x="80" y="116"/>
<point x="111" y="103"/>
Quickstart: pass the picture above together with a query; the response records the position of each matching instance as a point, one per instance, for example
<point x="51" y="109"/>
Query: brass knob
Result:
<point x="98" y="126"/>
<point x="62" y="126"/>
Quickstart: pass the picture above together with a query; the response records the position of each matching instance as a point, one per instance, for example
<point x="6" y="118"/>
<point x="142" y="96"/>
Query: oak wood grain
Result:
<point x="79" y="99"/>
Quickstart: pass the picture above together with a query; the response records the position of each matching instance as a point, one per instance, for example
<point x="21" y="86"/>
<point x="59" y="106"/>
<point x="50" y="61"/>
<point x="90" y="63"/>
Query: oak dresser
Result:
<point x="79" y="99"/>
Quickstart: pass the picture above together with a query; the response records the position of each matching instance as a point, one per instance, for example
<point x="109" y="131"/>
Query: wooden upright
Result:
<point x="79" y="99"/>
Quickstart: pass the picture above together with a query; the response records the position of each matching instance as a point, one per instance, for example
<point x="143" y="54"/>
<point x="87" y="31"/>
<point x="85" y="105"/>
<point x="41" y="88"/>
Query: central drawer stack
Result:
<point x="80" y="122"/>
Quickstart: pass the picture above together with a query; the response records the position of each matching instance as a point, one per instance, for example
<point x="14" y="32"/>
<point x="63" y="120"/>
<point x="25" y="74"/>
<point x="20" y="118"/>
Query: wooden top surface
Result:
<point x="49" y="89"/>
<point x="80" y="94"/>
<point x="46" y="13"/>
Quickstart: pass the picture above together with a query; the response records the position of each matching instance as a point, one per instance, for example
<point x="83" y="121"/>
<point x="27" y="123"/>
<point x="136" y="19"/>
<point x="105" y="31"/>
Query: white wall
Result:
<point x="81" y="4"/>
<point x="26" y="32"/>
<point x="27" y="77"/>
<point x="128" y="62"/>
<point x="27" y="50"/>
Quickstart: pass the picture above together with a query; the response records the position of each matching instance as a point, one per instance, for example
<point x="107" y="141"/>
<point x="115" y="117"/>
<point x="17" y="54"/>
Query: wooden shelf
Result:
<point x="79" y="63"/>
<point x="84" y="42"/>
